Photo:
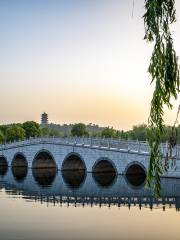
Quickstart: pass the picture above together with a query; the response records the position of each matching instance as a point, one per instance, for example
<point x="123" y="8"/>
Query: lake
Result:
<point x="49" y="204"/>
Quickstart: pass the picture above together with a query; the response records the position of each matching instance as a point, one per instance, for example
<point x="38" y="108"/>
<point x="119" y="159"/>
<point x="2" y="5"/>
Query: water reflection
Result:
<point x="19" y="173"/>
<point x="137" y="180"/>
<point x="79" y="187"/>
<point x="74" y="179"/>
<point x="3" y="166"/>
<point x="44" y="177"/>
<point x="3" y="170"/>
<point x="84" y="203"/>
<point x="105" y="179"/>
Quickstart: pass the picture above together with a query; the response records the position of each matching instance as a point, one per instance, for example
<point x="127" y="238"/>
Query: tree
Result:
<point x="164" y="71"/>
<point x="109" y="133"/>
<point x="1" y="137"/>
<point x="15" y="132"/>
<point x="139" y="132"/>
<point x="44" y="132"/>
<point x="79" y="130"/>
<point x="124" y="135"/>
<point x="32" y="129"/>
<point x="3" y="129"/>
<point x="54" y="133"/>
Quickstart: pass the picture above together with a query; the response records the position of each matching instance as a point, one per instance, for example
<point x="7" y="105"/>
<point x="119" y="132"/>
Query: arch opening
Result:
<point x="19" y="161"/>
<point x="104" y="166"/>
<point x="136" y="175"/>
<point x="3" y="166"/>
<point x="74" y="179"/>
<point x="73" y="162"/>
<point x="44" y="160"/>
<point x="44" y="177"/>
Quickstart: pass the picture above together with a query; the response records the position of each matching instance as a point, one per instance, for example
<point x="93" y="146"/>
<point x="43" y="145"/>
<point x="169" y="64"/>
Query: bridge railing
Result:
<point x="112" y="144"/>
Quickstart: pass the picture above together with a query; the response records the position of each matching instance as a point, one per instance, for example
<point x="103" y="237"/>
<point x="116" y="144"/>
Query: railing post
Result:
<point x="91" y="142"/>
<point x="139" y="147"/>
<point x="119" y="144"/>
<point x="108" y="143"/>
<point x="166" y="149"/>
<point x="100" y="143"/>
<point x="176" y="151"/>
<point x="128" y="147"/>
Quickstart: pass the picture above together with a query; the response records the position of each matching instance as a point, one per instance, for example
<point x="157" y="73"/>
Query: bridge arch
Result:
<point x="3" y="166"/>
<point x="104" y="165"/>
<point x="73" y="161"/>
<point x="44" y="159"/>
<point x="19" y="160"/>
<point x="135" y="174"/>
<point x="104" y="172"/>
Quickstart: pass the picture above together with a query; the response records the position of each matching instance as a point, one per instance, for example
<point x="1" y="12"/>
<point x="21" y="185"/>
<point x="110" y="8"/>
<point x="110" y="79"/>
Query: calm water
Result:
<point x="46" y="204"/>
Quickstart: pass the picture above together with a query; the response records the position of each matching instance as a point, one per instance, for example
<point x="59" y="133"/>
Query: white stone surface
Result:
<point x="120" y="153"/>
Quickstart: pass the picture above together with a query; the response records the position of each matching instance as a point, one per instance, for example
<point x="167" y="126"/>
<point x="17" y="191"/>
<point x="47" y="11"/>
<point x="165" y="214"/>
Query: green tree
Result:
<point x="109" y="133"/>
<point x="139" y="132"/>
<point x="164" y="71"/>
<point x="44" y="131"/>
<point x="167" y="133"/>
<point x="32" y="129"/>
<point x="79" y="130"/>
<point x="49" y="131"/>
<point x="95" y="134"/>
<point x="178" y="133"/>
<point x="3" y="129"/>
<point x="54" y="133"/>
<point x="1" y="137"/>
<point x="124" y="135"/>
<point x="15" y="132"/>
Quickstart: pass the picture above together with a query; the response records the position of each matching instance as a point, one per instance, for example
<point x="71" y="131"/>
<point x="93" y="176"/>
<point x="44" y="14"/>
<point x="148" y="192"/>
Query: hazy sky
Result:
<point x="78" y="60"/>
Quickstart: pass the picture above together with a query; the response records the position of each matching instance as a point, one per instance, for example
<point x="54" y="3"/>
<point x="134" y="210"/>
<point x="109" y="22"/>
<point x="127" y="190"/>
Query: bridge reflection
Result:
<point x="74" y="179"/>
<point x="136" y="180"/>
<point x="105" y="179"/>
<point x="44" y="177"/>
<point x="19" y="173"/>
<point x="3" y="170"/>
<point x="78" y="188"/>
<point x="140" y="202"/>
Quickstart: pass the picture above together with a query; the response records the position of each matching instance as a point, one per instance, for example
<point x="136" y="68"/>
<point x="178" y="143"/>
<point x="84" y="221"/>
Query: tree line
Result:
<point x="26" y="130"/>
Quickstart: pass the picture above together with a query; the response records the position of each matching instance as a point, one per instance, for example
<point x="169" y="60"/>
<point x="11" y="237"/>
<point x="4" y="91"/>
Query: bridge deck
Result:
<point x="96" y="143"/>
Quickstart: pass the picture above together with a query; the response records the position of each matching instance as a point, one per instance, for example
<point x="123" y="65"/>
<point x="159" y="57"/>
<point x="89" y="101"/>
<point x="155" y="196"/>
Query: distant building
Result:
<point x="44" y="118"/>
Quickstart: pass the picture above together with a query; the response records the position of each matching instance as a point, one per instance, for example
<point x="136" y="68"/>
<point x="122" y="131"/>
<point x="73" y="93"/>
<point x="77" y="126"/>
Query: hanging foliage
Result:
<point x="164" y="71"/>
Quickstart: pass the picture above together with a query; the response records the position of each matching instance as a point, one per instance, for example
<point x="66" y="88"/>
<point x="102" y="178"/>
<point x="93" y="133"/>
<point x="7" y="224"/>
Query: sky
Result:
<point x="78" y="60"/>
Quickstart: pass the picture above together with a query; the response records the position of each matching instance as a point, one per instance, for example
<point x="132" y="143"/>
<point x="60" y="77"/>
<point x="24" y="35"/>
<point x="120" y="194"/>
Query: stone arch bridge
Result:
<point x="89" y="154"/>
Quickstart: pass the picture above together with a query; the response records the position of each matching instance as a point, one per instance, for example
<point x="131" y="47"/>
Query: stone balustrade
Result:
<point x="99" y="143"/>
